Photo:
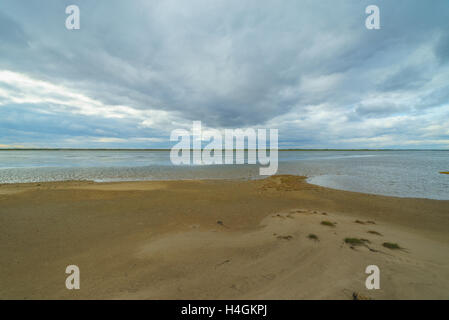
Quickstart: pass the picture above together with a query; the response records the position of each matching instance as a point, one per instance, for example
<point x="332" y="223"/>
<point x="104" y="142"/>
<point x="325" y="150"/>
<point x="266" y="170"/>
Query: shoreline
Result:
<point x="218" y="239"/>
<point x="14" y="185"/>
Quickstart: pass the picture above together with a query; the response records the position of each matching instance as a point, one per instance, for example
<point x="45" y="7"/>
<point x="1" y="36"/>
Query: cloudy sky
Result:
<point x="138" y="69"/>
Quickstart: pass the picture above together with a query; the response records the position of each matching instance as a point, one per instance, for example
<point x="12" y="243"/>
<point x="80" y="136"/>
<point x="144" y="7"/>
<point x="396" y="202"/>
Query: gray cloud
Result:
<point x="310" y="68"/>
<point x="407" y="78"/>
<point x="442" y="48"/>
<point x="11" y="33"/>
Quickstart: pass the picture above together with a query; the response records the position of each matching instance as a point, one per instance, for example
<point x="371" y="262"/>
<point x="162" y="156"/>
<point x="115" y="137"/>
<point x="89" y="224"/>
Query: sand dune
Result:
<point x="261" y="239"/>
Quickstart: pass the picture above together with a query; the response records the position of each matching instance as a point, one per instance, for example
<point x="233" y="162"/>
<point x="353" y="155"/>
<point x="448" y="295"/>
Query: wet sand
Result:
<point x="218" y="240"/>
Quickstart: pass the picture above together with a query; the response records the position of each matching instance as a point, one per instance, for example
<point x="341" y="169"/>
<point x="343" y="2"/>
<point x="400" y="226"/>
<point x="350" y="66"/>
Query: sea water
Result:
<point x="396" y="173"/>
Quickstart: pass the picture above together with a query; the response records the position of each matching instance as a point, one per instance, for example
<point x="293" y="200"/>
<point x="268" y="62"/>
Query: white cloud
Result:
<point x="22" y="89"/>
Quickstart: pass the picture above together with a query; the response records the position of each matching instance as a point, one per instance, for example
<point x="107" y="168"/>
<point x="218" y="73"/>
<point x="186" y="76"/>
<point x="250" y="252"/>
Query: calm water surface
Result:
<point x="396" y="173"/>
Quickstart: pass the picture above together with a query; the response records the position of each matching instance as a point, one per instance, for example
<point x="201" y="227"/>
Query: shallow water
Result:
<point x="396" y="173"/>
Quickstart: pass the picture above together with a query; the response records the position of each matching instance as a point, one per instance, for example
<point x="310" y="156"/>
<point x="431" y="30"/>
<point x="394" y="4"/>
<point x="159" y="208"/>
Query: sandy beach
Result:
<point x="277" y="238"/>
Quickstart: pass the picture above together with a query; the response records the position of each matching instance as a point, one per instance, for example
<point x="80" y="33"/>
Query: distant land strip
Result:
<point x="168" y="149"/>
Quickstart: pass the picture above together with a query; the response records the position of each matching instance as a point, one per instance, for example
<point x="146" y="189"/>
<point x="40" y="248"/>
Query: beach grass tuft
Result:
<point x="313" y="237"/>
<point x="354" y="241"/>
<point x="390" y="245"/>
<point x="374" y="232"/>
<point x="358" y="296"/>
<point x="328" y="223"/>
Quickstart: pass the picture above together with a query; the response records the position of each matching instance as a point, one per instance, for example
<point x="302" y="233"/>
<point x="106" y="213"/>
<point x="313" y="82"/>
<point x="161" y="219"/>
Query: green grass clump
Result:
<point x="374" y="232"/>
<point x="390" y="245"/>
<point x="328" y="223"/>
<point x="313" y="237"/>
<point x="354" y="241"/>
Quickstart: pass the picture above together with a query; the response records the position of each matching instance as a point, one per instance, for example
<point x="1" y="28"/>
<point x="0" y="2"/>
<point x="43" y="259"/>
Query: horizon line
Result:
<point x="235" y="149"/>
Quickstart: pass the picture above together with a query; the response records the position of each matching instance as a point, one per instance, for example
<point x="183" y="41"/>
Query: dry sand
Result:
<point x="218" y="240"/>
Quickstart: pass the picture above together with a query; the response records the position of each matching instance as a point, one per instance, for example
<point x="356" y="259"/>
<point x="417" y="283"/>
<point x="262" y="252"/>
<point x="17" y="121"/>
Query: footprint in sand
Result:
<point x="222" y="263"/>
<point x="288" y="237"/>
<point x="303" y="211"/>
<point x="364" y="222"/>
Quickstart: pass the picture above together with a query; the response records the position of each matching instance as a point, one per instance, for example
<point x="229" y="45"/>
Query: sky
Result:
<point x="136" y="70"/>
